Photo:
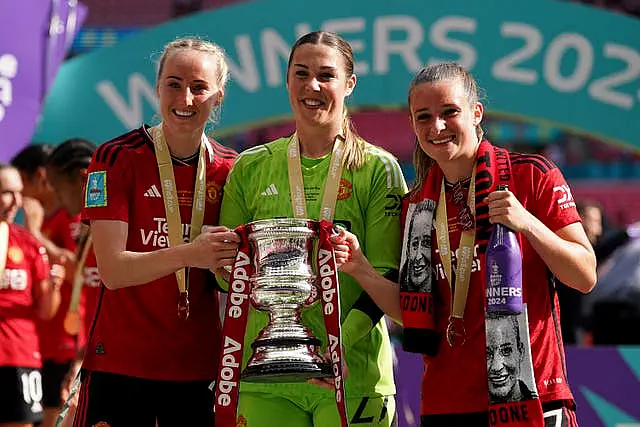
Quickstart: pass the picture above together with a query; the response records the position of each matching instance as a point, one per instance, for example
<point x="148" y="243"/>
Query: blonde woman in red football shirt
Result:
<point x="154" y="345"/>
<point x="28" y="292"/>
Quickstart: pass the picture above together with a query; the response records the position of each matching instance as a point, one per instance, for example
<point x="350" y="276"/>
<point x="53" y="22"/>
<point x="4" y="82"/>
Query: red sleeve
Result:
<point x="555" y="206"/>
<point x="62" y="229"/>
<point x="108" y="189"/>
<point x="36" y="258"/>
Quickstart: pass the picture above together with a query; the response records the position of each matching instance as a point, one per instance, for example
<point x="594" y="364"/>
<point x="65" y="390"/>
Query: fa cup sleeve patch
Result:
<point x="96" y="192"/>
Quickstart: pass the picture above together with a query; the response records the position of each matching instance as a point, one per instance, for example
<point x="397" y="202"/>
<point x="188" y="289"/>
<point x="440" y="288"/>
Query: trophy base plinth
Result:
<point x="286" y="372"/>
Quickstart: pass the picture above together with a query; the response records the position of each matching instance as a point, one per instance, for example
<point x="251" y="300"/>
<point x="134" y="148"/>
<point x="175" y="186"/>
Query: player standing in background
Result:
<point x="67" y="173"/>
<point x="58" y="231"/>
<point x="27" y="292"/>
<point x="39" y="200"/>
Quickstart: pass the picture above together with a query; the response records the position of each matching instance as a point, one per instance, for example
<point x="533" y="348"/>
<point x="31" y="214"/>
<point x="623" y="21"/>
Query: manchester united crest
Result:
<point x="213" y="192"/>
<point x="15" y="254"/>
<point x="344" y="191"/>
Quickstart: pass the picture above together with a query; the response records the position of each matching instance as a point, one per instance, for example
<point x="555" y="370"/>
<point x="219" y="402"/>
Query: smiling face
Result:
<point x="504" y="356"/>
<point x="318" y="82"/>
<point x="187" y="90"/>
<point x="10" y="193"/>
<point x="444" y="120"/>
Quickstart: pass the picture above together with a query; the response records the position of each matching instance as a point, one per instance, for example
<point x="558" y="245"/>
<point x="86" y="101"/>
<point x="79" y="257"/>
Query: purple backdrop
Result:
<point x="29" y="59"/>
<point x="612" y="374"/>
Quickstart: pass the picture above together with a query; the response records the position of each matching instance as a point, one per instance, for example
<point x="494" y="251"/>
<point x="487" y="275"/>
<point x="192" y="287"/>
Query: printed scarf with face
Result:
<point x="512" y="399"/>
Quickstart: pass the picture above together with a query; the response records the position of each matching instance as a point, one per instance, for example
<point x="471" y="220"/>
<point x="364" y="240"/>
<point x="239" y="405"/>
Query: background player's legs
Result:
<point x="187" y="403"/>
<point x="21" y="396"/>
<point x="53" y="374"/>
<point x="374" y="411"/>
<point x="268" y="410"/>
<point x="117" y="400"/>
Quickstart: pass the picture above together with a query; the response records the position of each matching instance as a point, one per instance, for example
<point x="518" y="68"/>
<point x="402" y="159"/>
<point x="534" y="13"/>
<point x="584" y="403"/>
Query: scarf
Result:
<point x="418" y="279"/>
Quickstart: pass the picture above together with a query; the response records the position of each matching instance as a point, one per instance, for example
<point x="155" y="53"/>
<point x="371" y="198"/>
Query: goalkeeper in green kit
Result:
<point x="367" y="196"/>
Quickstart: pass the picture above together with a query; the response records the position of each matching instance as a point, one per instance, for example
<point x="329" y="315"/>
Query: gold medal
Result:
<point x="72" y="323"/>
<point x="183" y="306"/>
<point x="456" y="332"/>
<point x="172" y="210"/>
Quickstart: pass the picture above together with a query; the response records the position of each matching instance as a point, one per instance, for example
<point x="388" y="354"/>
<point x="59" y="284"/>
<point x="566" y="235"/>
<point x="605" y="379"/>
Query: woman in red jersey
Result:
<point x="481" y="369"/>
<point x="26" y="293"/>
<point x="66" y="172"/>
<point x="58" y="231"/>
<point x="152" y="199"/>
<point x="40" y="205"/>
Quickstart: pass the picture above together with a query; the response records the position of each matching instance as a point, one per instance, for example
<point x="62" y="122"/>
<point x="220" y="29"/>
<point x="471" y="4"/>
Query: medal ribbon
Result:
<point x="328" y="280"/>
<point x="72" y="319"/>
<point x="296" y="185"/>
<point x="172" y="207"/>
<point x="4" y="246"/>
<point x="235" y="325"/>
<point x="456" y="334"/>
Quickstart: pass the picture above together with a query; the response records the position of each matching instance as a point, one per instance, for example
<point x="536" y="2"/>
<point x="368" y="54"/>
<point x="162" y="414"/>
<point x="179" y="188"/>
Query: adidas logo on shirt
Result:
<point x="270" y="191"/>
<point x="152" y="192"/>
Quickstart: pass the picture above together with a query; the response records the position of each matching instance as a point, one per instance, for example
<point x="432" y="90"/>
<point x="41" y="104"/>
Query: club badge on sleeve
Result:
<point x="96" y="192"/>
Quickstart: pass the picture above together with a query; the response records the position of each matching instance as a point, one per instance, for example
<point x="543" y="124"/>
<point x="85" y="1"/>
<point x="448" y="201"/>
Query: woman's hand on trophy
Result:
<point x="341" y="249"/>
<point x="349" y="256"/>
<point x="223" y="272"/>
<point x="215" y="248"/>
<point x="330" y="382"/>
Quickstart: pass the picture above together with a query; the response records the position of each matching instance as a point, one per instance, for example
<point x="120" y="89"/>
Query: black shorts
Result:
<point x="53" y="374"/>
<point x="123" y="401"/>
<point x="555" y="415"/>
<point x="21" y="396"/>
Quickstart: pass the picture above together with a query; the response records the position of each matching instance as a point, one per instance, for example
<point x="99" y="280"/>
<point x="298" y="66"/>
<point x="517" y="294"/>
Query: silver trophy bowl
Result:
<point x="283" y="251"/>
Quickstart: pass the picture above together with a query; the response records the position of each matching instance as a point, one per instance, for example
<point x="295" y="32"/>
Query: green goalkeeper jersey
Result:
<point x="368" y="205"/>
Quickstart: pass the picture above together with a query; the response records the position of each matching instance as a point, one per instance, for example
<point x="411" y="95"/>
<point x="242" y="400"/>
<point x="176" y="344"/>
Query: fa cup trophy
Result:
<point x="282" y="266"/>
<point x="284" y="254"/>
